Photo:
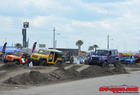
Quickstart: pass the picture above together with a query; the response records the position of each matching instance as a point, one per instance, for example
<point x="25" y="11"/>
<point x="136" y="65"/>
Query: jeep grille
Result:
<point x="95" y="59"/>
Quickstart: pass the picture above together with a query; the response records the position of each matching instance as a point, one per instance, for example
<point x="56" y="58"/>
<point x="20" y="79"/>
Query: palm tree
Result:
<point x="18" y="45"/>
<point x="79" y="43"/>
<point x="95" y="47"/>
<point x="91" y="48"/>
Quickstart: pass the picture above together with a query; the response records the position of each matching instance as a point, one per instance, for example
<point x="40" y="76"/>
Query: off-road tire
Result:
<point x="42" y="63"/>
<point x="17" y="62"/>
<point x="59" y="64"/>
<point x="5" y="61"/>
<point x="105" y="64"/>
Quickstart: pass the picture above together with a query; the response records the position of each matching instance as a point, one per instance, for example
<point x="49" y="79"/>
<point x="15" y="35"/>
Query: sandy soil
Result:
<point x="18" y="76"/>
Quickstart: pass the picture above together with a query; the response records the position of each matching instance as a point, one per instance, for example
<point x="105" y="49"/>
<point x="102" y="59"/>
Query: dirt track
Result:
<point x="19" y="76"/>
<point x="83" y="87"/>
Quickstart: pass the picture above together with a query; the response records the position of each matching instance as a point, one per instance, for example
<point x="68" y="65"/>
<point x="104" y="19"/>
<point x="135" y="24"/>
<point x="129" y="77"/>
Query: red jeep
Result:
<point x="17" y="58"/>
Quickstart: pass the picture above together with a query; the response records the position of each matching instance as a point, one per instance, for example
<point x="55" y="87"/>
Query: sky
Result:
<point x="87" y="20"/>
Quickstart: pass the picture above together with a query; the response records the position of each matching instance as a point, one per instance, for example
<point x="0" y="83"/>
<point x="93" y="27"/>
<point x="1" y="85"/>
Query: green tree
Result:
<point x="95" y="47"/>
<point x="18" y="45"/>
<point x="79" y="43"/>
<point x="91" y="48"/>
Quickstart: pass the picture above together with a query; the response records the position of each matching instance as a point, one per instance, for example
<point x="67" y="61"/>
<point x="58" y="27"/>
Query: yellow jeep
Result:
<point x="46" y="56"/>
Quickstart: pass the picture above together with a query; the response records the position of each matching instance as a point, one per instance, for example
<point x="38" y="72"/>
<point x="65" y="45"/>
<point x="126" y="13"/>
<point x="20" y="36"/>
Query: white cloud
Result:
<point x="39" y="21"/>
<point x="83" y="24"/>
<point x="117" y="18"/>
<point x="6" y="21"/>
<point x="104" y="24"/>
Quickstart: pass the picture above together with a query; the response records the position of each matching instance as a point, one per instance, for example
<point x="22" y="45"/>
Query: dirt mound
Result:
<point x="91" y="71"/>
<point x="69" y="73"/>
<point x="94" y="71"/>
<point x="10" y="66"/>
<point x="119" y="69"/>
<point x="58" y="74"/>
<point x="33" y="77"/>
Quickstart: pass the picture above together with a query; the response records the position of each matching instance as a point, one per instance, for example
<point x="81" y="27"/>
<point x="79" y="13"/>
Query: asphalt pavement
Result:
<point x="82" y="87"/>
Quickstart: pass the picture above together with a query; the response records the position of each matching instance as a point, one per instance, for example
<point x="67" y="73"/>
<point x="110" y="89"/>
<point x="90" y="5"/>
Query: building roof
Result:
<point x="54" y="50"/>
<point x="65" y="48"/>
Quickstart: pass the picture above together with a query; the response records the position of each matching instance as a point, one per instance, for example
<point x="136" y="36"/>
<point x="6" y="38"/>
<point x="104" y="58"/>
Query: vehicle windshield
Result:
<point x="18" y="54"/>
<point x="43" y="52"/>
<point x="101" y="52"/>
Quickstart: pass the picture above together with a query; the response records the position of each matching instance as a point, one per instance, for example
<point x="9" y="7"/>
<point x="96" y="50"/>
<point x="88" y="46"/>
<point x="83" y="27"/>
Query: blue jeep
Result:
<point x="103" y="57"/>
<point x="127" y="59"/>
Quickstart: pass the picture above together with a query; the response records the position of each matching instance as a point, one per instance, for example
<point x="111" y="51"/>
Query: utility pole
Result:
<point x="108" y="41"/>
<point x="54" y="38"/>
<point x="55" y="43"/>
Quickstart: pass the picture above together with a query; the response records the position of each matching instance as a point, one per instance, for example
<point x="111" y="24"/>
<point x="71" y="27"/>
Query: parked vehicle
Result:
<point x="137" y="57"/>
<point x="46" y="56"/>
<point x="103" y="57"/>
<point x="127" y="59"/>
<point x="122" y="54"/>
<point x="17" y="58"/>
<point x="68" y="56"/>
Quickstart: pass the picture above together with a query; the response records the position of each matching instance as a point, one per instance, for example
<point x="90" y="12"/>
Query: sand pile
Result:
<point x="71" y="72"/>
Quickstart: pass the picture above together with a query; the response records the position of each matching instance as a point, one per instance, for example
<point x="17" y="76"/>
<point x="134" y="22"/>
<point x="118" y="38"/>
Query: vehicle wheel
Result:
<point x="63" y="60"/>
<point x="59" y="63"/>
<point x="134" y="62"/>
<point x="5" y="61"/>
<point x="105" y="64"/>
<point x="90" y="63"/>
<point x="42" y="63"/>
<point x="34" y="63"/>
<point x="17" y="62"/>
<point x="127" y="63"/>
